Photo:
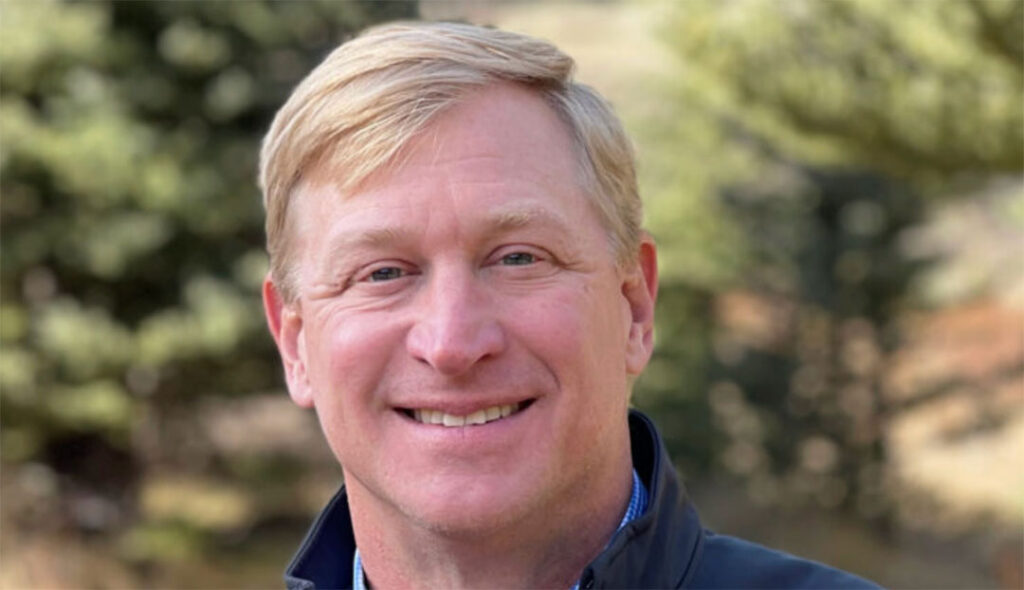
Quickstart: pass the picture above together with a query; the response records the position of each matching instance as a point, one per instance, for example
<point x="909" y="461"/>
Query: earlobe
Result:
<point x="285" y="322"/>
<point x="641" y="292"/>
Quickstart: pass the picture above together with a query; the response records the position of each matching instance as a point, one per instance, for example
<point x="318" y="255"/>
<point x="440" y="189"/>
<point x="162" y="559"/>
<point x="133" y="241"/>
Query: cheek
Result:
<point x="351" y="357"/>
<point x="578" y="336"/>
<point x="578" y="332"/>
<point x="549" y="325"/>
<point x="352" y="354"/>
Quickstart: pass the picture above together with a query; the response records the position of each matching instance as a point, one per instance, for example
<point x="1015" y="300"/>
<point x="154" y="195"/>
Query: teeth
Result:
<point x="479" y="417"/>
<point x="450" y="420"/>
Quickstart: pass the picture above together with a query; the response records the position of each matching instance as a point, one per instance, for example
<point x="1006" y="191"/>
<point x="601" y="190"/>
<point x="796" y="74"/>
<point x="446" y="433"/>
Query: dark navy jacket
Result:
<point x="666" y="547"/>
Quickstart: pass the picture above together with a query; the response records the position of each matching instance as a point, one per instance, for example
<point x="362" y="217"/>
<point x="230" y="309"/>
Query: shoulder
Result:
<point x="728" y="562"/>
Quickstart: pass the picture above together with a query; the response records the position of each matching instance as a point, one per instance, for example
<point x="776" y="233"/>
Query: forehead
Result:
<point x="505" y="128"/>
<point x="503" y="119"/>
<point x="502" y="136"/>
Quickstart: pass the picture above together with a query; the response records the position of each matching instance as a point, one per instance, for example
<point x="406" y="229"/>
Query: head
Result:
<point x="460" y="286"/>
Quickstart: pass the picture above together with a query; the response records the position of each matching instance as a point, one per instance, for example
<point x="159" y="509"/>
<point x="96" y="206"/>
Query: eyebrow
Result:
<point x="342" y="248"/>
<point x="517" y="215"/>
<point x="500" y="220"/>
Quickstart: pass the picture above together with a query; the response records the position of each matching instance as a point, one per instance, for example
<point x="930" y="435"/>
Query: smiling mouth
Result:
<point x="484" y="416"/>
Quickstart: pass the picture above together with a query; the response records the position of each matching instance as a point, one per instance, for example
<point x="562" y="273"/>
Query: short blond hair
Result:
<point x="358" y="108"/>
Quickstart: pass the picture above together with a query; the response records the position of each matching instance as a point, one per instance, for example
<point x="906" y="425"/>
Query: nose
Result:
<point x="455" y="327"/>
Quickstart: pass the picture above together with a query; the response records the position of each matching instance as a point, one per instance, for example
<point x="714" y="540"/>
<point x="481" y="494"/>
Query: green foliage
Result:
<point x="805" y="139"/>
<point x="918" y="89"/>
<point x="132" y="229"/>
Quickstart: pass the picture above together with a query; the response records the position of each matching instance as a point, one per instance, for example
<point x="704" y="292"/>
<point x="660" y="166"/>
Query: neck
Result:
<point x="547" y="549"/>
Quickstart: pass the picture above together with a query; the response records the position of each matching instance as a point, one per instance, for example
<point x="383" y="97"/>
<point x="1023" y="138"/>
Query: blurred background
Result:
<point x="836" y="188"/>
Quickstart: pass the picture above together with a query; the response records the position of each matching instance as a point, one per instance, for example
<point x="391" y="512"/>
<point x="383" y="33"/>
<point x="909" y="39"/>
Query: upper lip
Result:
<point x="462" y="407"/>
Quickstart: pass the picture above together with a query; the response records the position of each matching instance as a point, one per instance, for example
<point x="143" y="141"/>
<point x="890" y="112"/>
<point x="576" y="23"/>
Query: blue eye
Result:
<point x="386" y="274"/>
<point x="518" y="259"/>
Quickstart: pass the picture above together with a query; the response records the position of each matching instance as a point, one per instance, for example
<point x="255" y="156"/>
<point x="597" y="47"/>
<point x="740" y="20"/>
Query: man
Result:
<point x="461" y="289"/>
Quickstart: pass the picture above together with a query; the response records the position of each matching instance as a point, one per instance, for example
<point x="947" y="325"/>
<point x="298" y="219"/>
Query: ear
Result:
<point x="640" y="289"/>
<point x="285" y="322"/>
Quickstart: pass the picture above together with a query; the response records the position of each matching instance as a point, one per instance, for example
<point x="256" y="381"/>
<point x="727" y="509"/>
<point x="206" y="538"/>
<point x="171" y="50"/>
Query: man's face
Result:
<point x="472" y="283"/>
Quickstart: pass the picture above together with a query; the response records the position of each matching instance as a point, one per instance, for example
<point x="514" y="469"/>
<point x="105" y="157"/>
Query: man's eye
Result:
<point x="386" y="274"/>
<point x="518" y="259"/>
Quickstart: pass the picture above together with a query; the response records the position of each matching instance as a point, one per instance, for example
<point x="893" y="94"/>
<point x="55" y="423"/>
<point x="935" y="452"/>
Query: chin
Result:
<point x="471" y="510"/>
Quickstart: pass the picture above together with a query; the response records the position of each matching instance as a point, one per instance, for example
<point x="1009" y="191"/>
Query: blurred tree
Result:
<point x="836" y="124"/>
<point x="921" y="90"/>
<point x="799" y="391"/>
<point x="132" y="230"/>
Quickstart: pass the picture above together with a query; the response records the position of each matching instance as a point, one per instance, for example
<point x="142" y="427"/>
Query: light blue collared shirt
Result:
<point x="637" y="506"/>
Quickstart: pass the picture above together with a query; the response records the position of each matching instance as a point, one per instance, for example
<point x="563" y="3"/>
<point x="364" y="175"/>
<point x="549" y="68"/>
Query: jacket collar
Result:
<point x="324" y="560"/>
<point x="661" y="548"/>
<point x="657" y="550"/>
